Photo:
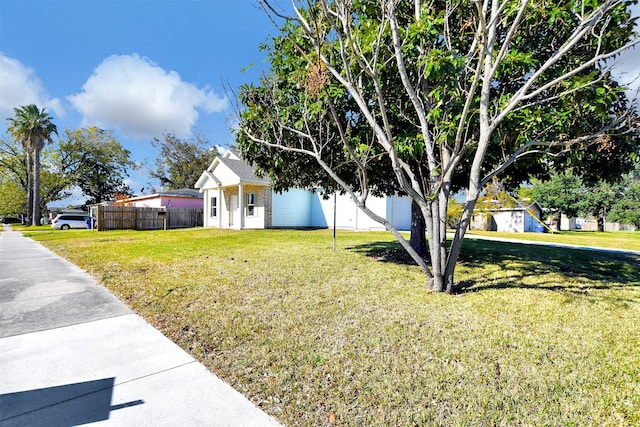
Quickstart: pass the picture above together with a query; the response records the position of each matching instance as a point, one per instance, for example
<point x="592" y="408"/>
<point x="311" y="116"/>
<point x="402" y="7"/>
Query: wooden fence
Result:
<point x="608" y="226"/>
<point x="137" y="218"/>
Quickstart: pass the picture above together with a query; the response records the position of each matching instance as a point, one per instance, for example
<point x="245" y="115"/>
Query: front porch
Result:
<point x="237" y="206"/>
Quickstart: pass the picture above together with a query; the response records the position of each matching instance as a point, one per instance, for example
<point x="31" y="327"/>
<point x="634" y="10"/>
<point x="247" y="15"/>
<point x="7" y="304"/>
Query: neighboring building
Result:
<point x="592" y="225"/>
<point x="518" y="219"/>
<point x="567" y="223"/>
<point x="52" y="212"/>
<point x="181" y="198"/>
<point x="234" y="197"/>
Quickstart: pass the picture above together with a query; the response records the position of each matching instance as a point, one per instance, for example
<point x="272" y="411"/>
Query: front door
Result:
<point x="234" y="214"/>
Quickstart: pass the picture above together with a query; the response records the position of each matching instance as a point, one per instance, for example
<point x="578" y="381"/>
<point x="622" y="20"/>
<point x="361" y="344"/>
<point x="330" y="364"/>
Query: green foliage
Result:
<point x="95" y="162"/>
<point x="496" y="196"/>
<point x="440" y="63"/>
<point x="181" y="162"/>
<point x="13" y="198"/>
<point x="566" y="193"/>
<point x="13" y="163"/>
<point x="54" y="185"/>
<point x="300" y="91"/>
<point x="32" y="127"/>
<point x="599" y="198"/>
<point x="430" y="98"/>
<point x="525" y="193"/>
<point x="563" y="193"/>
<point x="454" y="213"/>
<point x="54" y="182"/>
<point x="627" y="208"/>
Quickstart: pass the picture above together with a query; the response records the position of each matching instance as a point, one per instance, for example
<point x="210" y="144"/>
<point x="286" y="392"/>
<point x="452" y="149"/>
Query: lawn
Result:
<point x="43" y="227"/>
<point x="539" y="336"/>
<point x="629" y="240"/>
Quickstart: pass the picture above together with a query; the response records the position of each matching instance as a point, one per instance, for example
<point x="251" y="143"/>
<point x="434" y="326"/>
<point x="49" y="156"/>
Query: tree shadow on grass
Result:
<point x="391" y="252"/>
<point x="518" y="262"/>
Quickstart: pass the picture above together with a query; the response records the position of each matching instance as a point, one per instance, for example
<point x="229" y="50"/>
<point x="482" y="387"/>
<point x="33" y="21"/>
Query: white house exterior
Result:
<point x="518" y="219"/>
<point x="235" y="198"/>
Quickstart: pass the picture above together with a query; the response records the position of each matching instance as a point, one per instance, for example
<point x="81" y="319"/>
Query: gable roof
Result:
<point x="241" y="168"/>
<point x="226" y="166"/>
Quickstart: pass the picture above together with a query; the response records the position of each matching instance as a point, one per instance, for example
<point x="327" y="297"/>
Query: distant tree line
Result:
<point x="36" y="170"/>
<point x="34" y="173"/>
<point x="567" y="193"/>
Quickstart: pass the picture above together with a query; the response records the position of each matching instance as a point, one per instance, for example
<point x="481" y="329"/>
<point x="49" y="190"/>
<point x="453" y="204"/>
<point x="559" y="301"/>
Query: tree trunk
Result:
<point x="456" y="243"/>
<point x="437" y="244"/>
<point x="35" y="219"/>
<point x="29" y="187"/>
<point x="418" y="239"/>
<point x="601" y="219"/>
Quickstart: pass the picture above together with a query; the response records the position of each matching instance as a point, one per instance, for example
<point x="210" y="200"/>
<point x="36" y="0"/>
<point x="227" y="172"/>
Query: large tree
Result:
<point x="13" y="200"/>
<point x="181" y="162"/>
<point x="608" y="160"/>
<point x="564" y="193"/>
<point x="89" y="159"/>
<point x="13" y="167"/>
<point x="599" y="199"/>
<point x="33" y="127"/>
<point x="95" y="162"/>
<point x="627" y="207"/>
<point x="482" y="85"/>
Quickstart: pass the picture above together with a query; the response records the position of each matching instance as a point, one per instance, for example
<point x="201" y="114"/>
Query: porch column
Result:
<point x="241" y="204"/>
<point x="219" y="207"/>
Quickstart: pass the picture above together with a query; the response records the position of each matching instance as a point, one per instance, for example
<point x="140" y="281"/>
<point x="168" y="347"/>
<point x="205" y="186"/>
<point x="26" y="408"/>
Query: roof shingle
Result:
<point x="242" y="169"/>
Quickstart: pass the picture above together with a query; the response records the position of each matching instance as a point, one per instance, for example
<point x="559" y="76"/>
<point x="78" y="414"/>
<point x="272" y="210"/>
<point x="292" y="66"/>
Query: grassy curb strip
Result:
<point x="540" y="336"/>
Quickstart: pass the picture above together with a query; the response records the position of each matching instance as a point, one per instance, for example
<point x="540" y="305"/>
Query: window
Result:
<point x="214" y="207"/>
<point x="251" y="205"/>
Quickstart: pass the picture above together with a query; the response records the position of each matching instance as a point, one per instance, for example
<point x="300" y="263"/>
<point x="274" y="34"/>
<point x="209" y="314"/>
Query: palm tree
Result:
<point x="33" y="127"/>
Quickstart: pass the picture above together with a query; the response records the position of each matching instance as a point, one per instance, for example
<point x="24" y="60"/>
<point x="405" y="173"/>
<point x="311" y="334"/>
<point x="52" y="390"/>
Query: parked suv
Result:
<point x="67" y="221"/>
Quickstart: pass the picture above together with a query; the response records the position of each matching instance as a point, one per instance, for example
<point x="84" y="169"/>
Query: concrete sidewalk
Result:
<point x="72" y="354"/>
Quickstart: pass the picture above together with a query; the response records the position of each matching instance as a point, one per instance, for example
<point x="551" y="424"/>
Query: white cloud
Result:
<point x="626" y="68"/>
<point x="142" y="100"/>
<point x="19" y="85"/>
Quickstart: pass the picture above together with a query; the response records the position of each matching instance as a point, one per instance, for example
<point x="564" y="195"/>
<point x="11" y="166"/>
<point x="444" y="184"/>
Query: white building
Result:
<point x="234" y="197"/>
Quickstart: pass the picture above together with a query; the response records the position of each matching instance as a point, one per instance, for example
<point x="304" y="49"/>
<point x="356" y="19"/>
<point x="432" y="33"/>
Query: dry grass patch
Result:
<point x="539" y="336"/>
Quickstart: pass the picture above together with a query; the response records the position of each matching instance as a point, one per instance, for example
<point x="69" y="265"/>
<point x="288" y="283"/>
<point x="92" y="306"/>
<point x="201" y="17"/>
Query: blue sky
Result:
<point x="140" y="67"/>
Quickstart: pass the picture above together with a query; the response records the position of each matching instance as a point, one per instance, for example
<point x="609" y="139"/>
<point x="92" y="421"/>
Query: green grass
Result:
<point x="539" y="336"/>
<point x="44" y="227"/>
<point x="629" y="240"/>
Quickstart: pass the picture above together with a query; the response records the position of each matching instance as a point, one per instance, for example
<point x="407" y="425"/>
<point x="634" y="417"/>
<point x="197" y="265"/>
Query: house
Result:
<point x="566" y="223"/>
<point x="52" y="212"/>
<point x="180" y="208"/>
<point x="234" y="197"/>
<point x="181" y="198"/>
<point x="520" y="218"/>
